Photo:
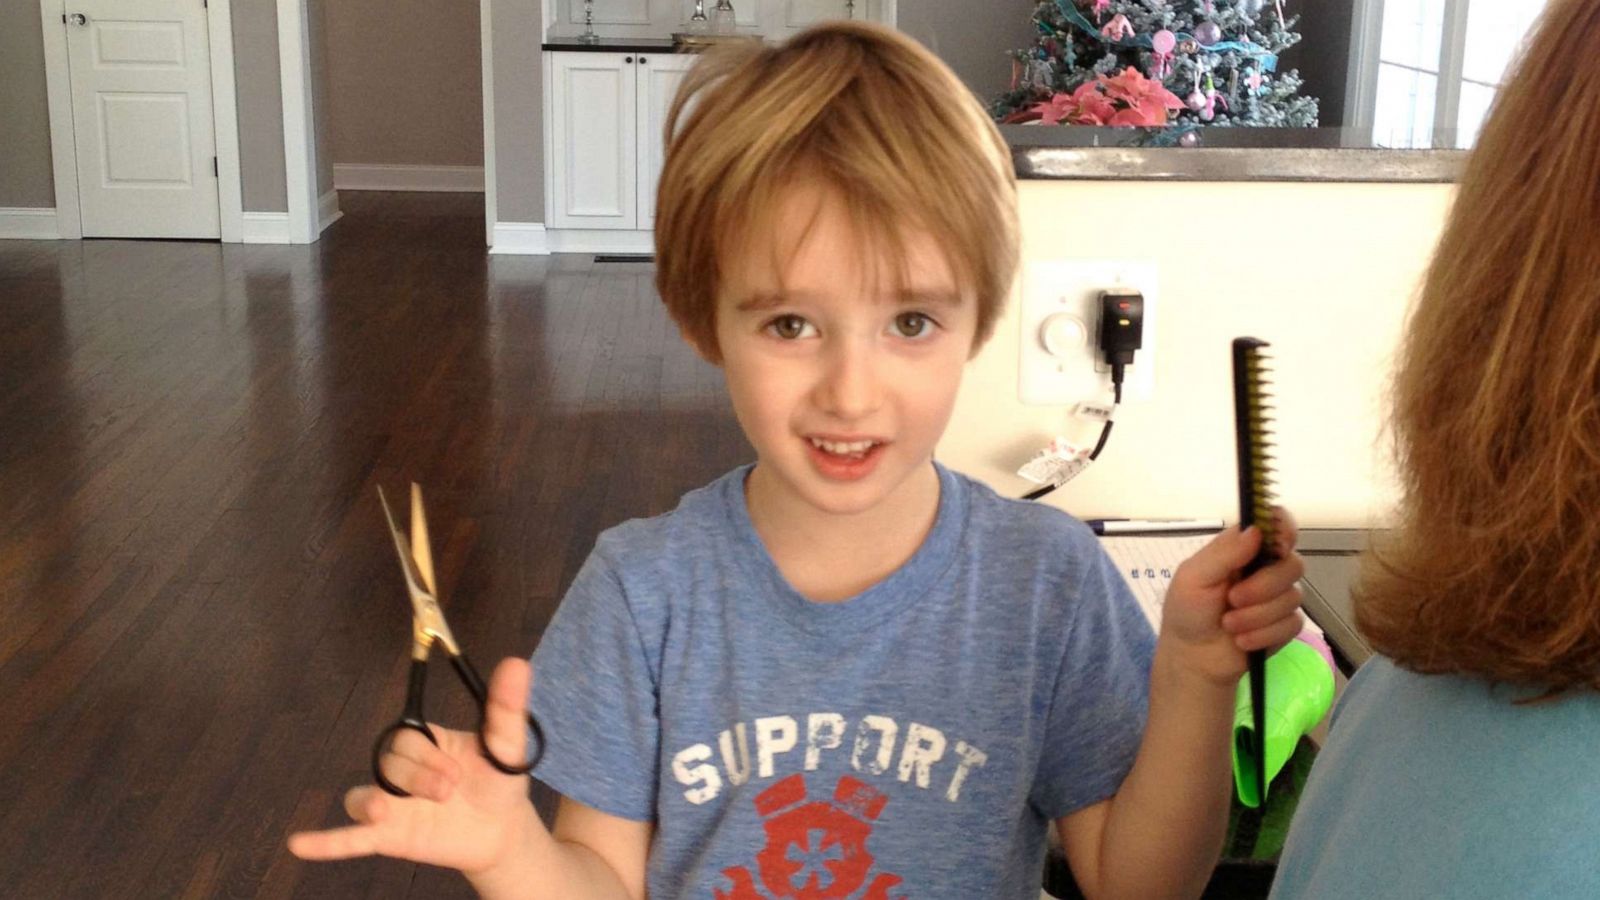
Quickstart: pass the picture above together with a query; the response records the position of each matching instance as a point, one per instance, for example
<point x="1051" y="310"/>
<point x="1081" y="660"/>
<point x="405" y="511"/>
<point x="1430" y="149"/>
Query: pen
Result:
<point x="1133" y="526"/>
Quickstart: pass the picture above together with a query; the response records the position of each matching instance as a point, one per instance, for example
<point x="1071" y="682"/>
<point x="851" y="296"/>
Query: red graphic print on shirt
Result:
<point x="816" y="849"/>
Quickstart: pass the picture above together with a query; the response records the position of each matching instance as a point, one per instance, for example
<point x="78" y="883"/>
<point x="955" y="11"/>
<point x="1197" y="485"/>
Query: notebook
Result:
<point x="1147" y="563"/>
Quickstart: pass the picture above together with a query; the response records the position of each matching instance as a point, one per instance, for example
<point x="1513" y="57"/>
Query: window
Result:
<point x="1439" y="64"/>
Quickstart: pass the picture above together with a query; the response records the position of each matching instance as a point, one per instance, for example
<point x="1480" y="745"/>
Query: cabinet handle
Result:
<point x="627" y="59"/>
<point x="641" y="60"/>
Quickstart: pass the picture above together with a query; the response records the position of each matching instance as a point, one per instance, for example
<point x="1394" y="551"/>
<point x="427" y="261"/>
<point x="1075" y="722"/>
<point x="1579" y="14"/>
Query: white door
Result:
<point x="141" y="113"/>
<point x="659" y="77"/>
<point x="593" y="124"/>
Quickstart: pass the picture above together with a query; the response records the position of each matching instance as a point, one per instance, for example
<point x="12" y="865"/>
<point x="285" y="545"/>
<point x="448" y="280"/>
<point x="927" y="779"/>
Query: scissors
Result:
<point x="428" y="627"/>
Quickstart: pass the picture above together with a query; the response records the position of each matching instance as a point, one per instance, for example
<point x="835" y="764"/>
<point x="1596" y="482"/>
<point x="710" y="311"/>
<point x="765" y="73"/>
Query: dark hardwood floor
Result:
<point x="202" y="621"/>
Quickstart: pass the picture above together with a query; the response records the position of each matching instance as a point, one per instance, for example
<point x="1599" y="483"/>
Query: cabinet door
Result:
<point x="593" y="147"/>
<point x="659" y="77"/>
<point x="793" y="16"/>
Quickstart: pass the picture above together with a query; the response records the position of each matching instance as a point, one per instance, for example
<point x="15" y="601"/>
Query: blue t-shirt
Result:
<point x="1440" y="786"/>
<point x="912" y="741"/>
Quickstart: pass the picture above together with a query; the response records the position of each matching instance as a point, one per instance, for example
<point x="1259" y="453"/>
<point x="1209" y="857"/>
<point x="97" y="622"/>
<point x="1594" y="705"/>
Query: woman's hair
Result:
<point x="857" y="109"/>
<point x="1494" y="566"/>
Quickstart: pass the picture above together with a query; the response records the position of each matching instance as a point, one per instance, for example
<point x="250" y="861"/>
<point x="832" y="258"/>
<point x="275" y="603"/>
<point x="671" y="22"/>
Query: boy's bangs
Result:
<point x="884" y="222"/>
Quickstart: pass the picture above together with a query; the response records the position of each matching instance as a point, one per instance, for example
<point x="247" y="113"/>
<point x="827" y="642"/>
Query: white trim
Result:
<point x="486" y="56"/>
<point x="29" y="224"/>
<point x="528" y="238"/>
<point x="328" y="211"/>
<point x="265" y="228"/>
<point x="299" y="129"/>
<point x="225" y="120"/>
<point x="598" y="240"/>
<point x="63" y="145"/>
<point x="348" y="177"/>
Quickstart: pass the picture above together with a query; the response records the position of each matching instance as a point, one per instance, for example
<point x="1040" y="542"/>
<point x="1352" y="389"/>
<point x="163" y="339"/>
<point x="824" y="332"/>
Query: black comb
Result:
<point x="1255" y="508"/>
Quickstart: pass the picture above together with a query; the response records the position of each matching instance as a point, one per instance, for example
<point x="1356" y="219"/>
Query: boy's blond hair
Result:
<point x="857" y="109"/>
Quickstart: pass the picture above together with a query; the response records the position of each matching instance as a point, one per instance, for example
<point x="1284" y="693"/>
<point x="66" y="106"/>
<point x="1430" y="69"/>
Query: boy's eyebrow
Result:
<point x="929" y="298"/>
<point x="759" y="302"/>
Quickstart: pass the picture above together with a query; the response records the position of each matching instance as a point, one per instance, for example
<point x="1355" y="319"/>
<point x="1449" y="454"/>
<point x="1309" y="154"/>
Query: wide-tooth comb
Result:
<point x="1250" y="411"/>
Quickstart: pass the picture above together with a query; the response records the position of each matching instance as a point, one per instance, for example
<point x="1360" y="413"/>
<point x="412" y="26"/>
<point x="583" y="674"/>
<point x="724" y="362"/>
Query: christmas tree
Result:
<point x="1192" y="62"/>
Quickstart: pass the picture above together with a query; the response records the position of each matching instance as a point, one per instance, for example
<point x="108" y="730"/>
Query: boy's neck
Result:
<point x="830" y="557"/>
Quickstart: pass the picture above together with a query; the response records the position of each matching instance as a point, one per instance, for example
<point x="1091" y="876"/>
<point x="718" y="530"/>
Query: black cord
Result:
<point x="1105" y="432"/>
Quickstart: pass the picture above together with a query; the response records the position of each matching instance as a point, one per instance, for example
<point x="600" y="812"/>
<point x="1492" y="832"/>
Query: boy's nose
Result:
<point x="850" y="387"/>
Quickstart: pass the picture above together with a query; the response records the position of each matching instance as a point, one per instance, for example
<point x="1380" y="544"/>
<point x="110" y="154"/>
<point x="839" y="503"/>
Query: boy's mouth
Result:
<point x="857" y="449"/>
<point x="845" y="460"/>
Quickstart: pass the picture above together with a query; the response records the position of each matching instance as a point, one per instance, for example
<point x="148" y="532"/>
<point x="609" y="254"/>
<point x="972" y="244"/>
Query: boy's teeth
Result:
<point x="843" y="448"/>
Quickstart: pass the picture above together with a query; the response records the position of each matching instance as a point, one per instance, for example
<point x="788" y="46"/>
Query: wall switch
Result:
<point x="1060" y="364"/>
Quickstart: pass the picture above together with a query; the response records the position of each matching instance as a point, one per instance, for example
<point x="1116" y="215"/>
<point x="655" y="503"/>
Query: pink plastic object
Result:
<point x="1317" y="641"/>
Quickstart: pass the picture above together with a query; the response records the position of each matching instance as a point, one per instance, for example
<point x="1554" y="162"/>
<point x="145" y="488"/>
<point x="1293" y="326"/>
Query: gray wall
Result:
<point x="518" y="110"/>
<point x="256" y="79"/>
<point x="321" y="93"/>
<point x="25" y="171"/>
<point x="973" y="38"/>
<point x="405" y="82"/>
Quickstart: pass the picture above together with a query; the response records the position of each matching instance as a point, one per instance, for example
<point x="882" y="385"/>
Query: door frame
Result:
<point x="224" y="116"/>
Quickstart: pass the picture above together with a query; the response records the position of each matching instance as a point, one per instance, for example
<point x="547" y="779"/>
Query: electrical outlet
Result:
<point x="1060" y="362"/>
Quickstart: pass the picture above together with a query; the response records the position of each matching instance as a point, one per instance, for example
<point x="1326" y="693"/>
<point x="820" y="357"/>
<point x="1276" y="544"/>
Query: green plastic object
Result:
<point x="1301" y="693"/>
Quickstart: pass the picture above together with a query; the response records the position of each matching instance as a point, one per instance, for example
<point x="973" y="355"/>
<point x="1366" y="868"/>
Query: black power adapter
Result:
<point x="1121" y="329"/>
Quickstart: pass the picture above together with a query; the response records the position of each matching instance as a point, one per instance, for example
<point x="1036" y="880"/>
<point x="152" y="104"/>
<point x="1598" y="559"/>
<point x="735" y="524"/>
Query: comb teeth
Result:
<point x="1252" y="380"/>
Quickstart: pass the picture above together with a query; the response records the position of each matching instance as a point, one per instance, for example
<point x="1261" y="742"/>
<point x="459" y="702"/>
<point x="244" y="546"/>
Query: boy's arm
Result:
<point x="593" y="855"/>
<point x="1160" y="835"/>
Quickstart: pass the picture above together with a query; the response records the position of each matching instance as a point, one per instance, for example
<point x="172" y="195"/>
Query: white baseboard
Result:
<point x="599" y="240"/>
<point x="347" y="177"/>
<point x="265" y="228"/>
<point x="520" y="237"/>
<point x="29" y="224"/>
<point x="328" y="211"/>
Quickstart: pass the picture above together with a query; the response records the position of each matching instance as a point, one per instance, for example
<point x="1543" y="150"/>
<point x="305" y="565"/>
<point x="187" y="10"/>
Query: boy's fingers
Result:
<point x="415" y="778"/>
<point x="335" y="843"/>
<point x="1273" y="637"/>
<point x="1288" y="530"/>
<point x="1250" y="618"/>
<point x="366" y="804"/>
<point x="1268" y="583"/>
<point x="411" y="745"/>
<point x="505" y="726"/>
<point x="1226" y="553"/>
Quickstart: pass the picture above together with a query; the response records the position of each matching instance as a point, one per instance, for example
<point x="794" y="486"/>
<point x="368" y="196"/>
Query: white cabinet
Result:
<point x="604" y="140"/>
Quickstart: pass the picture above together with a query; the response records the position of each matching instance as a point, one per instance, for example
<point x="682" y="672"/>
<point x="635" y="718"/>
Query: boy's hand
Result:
<point x="1212" y="619"/>
<point x="462" y="813"/>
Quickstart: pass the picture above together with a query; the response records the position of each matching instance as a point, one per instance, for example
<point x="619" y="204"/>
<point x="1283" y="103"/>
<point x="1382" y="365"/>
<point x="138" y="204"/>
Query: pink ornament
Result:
<point x="1100" y="6"/>
<point x="1195" y="101"/>
<point x="1254" y="80"/>
<point x="1162" y="43"/>
<point x="1118" y="28"/>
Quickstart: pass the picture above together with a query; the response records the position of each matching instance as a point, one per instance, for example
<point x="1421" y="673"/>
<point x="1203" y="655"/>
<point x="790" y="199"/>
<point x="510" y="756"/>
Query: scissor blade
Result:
<point x="421" y="553"/>
<point x="420" y="596"/>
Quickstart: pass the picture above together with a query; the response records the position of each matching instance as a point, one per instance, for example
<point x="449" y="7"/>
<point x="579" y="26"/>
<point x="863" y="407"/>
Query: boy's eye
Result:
<point x="912" y="324"/>
<point x="788" y="327"/>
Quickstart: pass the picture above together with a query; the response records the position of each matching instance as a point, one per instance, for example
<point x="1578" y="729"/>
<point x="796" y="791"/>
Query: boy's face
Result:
<point x="843" y="382"/>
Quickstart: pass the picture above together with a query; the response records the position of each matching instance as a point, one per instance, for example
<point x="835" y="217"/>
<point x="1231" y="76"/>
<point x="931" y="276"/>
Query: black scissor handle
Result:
<point x="474" y="682"/>
<point x="407" y="723"/>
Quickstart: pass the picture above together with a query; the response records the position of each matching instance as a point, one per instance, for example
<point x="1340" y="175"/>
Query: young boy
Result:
<point x="844" y="670"/>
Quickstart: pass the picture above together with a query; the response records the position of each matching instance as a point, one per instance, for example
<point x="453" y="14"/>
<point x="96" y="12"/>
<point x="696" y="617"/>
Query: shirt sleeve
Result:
<point x="594" y="694"/>
<point x="1101" y="697"/>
